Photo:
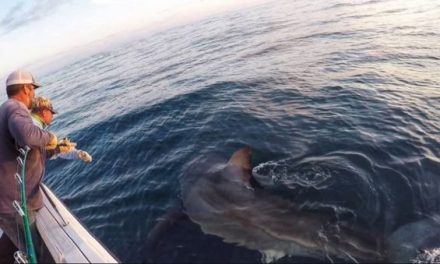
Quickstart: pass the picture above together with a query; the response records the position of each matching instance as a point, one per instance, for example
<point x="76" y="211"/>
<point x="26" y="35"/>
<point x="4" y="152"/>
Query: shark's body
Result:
<point x="223" y="202"/>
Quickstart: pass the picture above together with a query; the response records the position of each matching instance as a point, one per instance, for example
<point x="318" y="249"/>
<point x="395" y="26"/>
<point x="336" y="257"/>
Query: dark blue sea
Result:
<point x="339" y="101"/>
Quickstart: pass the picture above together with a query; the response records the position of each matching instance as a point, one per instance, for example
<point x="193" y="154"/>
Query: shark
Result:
<point x="226" y="201"/>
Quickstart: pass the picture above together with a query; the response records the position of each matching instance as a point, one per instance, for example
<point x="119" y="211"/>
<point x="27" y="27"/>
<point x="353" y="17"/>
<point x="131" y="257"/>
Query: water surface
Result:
<point x="338" y="99"/>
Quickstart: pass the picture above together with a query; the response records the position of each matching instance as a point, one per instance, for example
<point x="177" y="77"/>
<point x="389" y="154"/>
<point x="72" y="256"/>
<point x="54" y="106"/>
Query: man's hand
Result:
<point x="84" y="156"/>
<point x="53" y="142"/>
<point x="65" y="145"/>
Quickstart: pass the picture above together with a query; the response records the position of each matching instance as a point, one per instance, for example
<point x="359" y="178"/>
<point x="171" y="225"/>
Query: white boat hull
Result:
<point x="66" y="239"/>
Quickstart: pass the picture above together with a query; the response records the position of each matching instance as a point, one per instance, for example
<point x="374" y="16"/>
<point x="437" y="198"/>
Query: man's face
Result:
<point x="47" y="116"/>
<point x="30" y="92"/>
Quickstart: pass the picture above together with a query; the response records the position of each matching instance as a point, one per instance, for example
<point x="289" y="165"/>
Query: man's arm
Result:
<point x="71" y="155"/>
<point x="25" y="132"/>
<point x="62" y="149"/>
<point x="52" y="153"/>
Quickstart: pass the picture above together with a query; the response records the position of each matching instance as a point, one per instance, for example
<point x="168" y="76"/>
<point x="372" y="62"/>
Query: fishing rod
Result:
<point x="23" y="211"/>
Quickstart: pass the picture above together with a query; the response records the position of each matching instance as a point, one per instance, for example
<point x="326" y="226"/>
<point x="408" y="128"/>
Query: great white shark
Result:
<point x="224" y="202"/>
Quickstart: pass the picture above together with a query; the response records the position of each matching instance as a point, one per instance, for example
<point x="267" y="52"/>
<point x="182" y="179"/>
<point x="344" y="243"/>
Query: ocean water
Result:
<point x="339" y="100"/>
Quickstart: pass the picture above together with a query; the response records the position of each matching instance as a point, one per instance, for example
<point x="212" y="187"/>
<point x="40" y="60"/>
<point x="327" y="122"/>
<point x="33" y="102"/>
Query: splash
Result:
<point x="294" y="174"/>
<point x="428" y="256"/>
<point x="269" y="256"/>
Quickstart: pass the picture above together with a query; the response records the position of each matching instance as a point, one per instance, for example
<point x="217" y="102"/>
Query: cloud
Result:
<point x="104" y="2"/>
<point x="26" y="12"/>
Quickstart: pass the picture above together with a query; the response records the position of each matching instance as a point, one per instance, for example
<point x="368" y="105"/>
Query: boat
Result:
<point x="65" y="238"/>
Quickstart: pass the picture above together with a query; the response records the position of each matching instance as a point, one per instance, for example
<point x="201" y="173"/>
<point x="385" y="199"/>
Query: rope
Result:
<point x="25" y="213"/>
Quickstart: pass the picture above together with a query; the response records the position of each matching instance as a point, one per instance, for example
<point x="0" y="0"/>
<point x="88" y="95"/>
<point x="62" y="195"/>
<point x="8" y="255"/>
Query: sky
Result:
<point x="33" y="32"/>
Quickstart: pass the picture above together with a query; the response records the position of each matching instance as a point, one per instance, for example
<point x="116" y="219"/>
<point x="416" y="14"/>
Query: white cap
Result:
<point x="21" y="77"/>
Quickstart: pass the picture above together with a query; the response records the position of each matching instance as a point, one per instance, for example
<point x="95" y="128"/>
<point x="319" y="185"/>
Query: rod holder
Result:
<point x="22" y="151"/>
<point x="18" y="178"/>
<point x="18" y="208"/>
<point x="20" y="257"/>
<point x="20" y="161"/>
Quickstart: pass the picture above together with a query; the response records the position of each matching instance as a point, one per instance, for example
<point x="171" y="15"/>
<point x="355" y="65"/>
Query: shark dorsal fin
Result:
<point x="242" y="159"/>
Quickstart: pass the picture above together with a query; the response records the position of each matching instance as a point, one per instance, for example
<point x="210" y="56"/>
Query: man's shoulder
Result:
<point x="11" y="105"/>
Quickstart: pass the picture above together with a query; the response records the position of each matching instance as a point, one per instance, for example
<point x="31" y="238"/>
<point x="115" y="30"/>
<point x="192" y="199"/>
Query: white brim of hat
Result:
<point x="20" y="82"/>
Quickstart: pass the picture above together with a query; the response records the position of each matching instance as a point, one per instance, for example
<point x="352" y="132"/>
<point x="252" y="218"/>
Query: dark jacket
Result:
<point x="17" y="130"/>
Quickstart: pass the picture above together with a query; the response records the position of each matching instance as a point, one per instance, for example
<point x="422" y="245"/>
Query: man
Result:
<point x="17" y="131"/>
<point x="42" y="115"/>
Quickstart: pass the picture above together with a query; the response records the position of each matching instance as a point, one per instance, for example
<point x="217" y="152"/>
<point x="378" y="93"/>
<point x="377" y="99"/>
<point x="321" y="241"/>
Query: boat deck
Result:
<point x="64" y="239"/>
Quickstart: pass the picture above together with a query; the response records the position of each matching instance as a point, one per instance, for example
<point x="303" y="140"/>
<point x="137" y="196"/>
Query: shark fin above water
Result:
<point x="242" y="159"/>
